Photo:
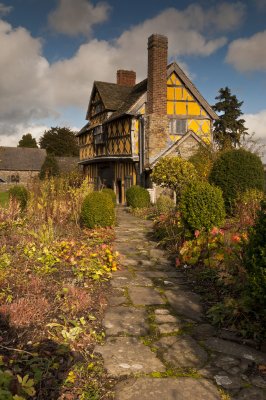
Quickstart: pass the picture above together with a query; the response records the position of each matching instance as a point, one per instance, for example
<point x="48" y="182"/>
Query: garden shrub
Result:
<point x="174" y="173"/>
<point x="255" y="261"/>
<point x="202" y="206"/>
<point x="246" y="206"/>
<point x="111" y="193"/>
<point x="50" y="167"/>
<point x="97" y="210"/>
<point x="20" y="194"/>
<point x="137" y="197"/>
<point x="164" y="204"/>
<point x="203" y="160"/>
<point x="234" y="172"/>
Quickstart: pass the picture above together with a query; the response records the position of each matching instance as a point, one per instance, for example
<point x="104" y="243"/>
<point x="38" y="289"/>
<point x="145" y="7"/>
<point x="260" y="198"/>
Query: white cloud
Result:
<point x="4" y="10"/>
<point x="248" y="54"/>
<point x="12" y="140"/>
<point x="221" y="18"/>
<point x="74" y="17"/>
<point x="31" y="89"/>
<point x="257" y="123"/>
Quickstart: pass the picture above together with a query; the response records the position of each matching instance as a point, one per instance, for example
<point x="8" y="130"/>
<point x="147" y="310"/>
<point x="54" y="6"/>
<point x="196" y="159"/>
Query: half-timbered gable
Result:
<point x="130" y="126"/>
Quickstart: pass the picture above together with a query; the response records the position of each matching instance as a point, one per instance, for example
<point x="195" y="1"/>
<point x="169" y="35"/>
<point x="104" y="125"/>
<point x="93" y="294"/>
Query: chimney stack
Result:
<point x="126" y="78"/>
<point x="156" y="108"/>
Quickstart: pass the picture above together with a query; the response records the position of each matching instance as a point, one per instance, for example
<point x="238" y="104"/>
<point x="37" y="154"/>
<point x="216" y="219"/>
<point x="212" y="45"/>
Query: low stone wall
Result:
<point x="13" y="177"/>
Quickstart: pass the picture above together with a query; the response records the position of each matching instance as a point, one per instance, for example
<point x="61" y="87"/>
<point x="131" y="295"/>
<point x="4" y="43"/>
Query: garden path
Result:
<point x="158" y="342"/>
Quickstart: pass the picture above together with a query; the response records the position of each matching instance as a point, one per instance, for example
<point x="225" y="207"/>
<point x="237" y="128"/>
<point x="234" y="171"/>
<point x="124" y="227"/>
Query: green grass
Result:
<point x="4" y="197"/>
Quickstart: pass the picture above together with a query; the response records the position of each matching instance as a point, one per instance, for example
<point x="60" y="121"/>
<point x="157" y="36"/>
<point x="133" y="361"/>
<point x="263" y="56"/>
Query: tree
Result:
<point x="50" y="167"/>
<point x="27" y="141"/>
<point x="229" y="128"/>
<point x="60" y="142"/>
<point x="175" y="173"/>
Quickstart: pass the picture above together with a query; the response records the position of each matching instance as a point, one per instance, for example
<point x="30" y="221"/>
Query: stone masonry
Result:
<point x="156" y="122"/>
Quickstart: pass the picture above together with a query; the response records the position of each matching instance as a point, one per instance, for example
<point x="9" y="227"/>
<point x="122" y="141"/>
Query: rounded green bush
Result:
<point x="202" y="206"/>
<point x="164" y="204"/>
<point x="20" y="194"/>
<point x="235" y="171"/>
<point x="97" y="210"/>
<point x="111" y="193"/>
<point x="137" y="197"/>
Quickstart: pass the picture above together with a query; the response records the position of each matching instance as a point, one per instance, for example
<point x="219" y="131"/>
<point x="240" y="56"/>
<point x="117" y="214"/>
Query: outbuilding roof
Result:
<point x="21" y="158"/>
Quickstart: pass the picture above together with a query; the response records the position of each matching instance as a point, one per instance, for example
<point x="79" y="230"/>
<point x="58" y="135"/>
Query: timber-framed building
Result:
<point x="131" y="126"/>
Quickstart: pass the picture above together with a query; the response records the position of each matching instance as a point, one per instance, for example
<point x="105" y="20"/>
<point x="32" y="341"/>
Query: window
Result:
<point x="178" y="126"/>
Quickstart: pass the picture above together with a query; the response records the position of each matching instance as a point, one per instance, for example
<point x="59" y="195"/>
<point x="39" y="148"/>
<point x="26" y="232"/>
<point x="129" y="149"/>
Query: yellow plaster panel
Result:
<point x="205" y="127"/>
<point x="203" y="112"/>
<point x="193" y="125"/>
<point x="180" y="108"/>
<point x="169" y="81"/>
<point x="179" y="93"/>
<point x="170" y="108"/>
<point x="170" y="93"/>
<point x="128" y="149"/>
<point x="175" y="80"/>
<point x="193" y="109"/>
<point x="187" y="95"/>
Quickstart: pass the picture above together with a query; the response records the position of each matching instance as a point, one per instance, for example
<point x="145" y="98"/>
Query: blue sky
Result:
<point x="53" y="50"/>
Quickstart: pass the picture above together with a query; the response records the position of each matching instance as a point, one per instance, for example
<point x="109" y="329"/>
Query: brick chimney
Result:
<point x="126" y="78"/>
<point x="156" y="108"/>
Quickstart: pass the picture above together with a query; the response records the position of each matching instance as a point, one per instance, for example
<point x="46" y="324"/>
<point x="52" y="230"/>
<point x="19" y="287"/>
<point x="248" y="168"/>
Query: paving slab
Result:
<point x="165" y="319"/>
<point x="181" y="351"/>
<point x="145" y="296"/>
<point x="185" y="303"/>
<point x="128" y="320"/>
<point x="166" y="389"/>
<point x="250" y="394"/>
<point x="229" y="381"/>
<point x="235" y="349"/>
<point x="125" y="356"/>
<point x="165" y="329"/>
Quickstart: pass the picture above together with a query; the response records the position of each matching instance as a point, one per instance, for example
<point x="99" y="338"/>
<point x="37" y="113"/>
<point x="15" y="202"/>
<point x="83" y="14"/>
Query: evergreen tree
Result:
<point x="27" y="141"/>
<point x="60" y="142"/>
<point x="229" y="128"/>
<point x="50" y="167"/>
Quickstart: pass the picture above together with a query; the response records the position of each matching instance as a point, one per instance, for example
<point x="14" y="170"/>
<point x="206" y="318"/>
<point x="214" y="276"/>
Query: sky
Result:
<point x="51" y="51"/>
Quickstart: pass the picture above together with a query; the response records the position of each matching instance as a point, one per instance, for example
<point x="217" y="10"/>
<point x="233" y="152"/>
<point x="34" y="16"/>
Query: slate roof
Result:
<point x="121" y="99"/>
<point x="112" y="95"/>
<point x="67" y="164"/>
<point x="135" y="93"/>
<point x="21" y="158"/>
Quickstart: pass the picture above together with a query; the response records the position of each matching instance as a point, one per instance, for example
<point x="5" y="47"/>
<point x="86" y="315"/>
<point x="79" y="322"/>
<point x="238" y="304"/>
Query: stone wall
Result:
<point x="24" y="176"/>
<point x="188" y="147"/>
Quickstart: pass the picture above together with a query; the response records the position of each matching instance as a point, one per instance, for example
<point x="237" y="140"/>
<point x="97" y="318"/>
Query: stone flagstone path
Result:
<point x="157" y="339"/>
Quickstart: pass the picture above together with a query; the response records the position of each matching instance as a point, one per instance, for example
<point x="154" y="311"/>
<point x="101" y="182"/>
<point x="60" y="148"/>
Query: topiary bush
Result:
<point x="202" y="206"/>
<point x="111" y="193"/>
<point x="97" y="210"/>
<point x="234" y="172"/>
<point x="20" y="194"/>
<point x="174" y="172"/>
<point x="255" y="262"/>
<point x="164" y="204"/>
<point x="137" y="197"/>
